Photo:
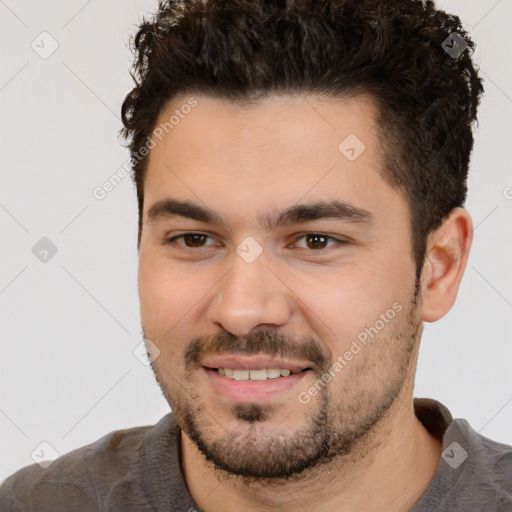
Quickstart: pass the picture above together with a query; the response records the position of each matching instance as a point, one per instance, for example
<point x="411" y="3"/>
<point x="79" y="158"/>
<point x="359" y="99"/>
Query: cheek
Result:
<point x="164" y="303"/>
<point x="343" y="304"/>
<point x="169" y="295"/>
<point x="157" y="291"/>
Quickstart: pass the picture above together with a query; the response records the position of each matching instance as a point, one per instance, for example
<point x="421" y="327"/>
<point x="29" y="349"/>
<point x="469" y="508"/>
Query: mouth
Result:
<point x="256" y="374"/>
<point x="250" y="379"/>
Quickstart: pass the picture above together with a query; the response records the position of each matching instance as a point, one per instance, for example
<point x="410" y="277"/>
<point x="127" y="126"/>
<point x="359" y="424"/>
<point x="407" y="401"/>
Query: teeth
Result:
<point x="273" y="373"/>
<point x="264" y="374"/>
<point x="258" y="375"/>
<point x="241" y="374"/>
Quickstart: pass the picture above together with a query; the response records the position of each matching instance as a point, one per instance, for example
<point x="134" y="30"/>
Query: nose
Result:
<point x="249" y="297"/>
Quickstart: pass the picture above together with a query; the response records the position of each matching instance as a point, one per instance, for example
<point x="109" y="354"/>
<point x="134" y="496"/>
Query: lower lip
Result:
<point x="250" y="391"/>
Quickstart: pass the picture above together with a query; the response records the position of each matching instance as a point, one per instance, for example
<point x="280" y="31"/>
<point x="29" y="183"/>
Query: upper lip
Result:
<point x="254" y="362"/>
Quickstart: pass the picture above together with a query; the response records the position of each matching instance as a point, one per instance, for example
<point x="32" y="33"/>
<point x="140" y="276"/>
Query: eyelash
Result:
<point x="329" y="238"/>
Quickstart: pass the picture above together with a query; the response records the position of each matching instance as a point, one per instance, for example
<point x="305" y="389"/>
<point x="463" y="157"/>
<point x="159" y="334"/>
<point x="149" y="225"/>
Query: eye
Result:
<point x="314" y="241"/>
<point x="191" y="240"/>
<point x="318" y="241"/>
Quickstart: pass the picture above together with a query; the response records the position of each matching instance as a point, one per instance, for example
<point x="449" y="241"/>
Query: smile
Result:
<point x="256" y="375"/>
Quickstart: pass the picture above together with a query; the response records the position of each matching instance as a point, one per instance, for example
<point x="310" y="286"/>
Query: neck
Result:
<point x="388" y="469"/>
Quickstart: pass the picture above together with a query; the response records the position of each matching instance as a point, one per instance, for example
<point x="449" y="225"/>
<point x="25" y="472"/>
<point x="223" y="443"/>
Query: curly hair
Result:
<point x="393" y="50"/>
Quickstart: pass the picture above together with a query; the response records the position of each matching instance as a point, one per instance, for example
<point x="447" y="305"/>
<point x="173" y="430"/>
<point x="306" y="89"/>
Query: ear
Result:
<point x="446" y="258"/>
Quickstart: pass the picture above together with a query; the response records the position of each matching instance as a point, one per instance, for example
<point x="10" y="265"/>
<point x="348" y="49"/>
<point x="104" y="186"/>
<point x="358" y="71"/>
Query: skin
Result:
<point x="242" y="162"/>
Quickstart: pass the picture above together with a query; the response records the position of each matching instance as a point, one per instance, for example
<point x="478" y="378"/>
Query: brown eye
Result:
<point x="191" y="240"/>
<point x="315" y="241"/>
<point x="318" y="241"/>
<point x="194" y="239"/>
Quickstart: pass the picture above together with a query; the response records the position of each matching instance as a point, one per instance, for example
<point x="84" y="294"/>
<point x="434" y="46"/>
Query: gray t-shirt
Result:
<point x="138" y="469"/>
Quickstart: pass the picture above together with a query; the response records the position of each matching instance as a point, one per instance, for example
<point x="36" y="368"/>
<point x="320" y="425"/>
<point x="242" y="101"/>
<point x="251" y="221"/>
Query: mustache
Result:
<point x="266" y="342"/>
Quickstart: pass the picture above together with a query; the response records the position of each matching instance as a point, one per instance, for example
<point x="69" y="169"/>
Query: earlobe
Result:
<point x="447" y="255"/>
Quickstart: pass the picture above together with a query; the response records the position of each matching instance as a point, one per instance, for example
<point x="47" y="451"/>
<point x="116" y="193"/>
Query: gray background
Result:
<point x="69" y="325"/>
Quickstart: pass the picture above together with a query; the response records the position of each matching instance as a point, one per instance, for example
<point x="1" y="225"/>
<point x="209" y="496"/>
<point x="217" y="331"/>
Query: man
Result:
<point x="301" y="174"/>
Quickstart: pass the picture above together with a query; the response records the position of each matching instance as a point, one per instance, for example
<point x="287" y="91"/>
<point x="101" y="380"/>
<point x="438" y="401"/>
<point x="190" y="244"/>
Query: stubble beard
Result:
<point x="260" y="452"/>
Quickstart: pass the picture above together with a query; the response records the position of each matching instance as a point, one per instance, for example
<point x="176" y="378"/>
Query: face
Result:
<point x="276" y="279"/>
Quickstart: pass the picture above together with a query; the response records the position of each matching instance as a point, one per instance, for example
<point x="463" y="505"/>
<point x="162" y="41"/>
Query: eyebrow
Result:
<point x="296" y="214"/>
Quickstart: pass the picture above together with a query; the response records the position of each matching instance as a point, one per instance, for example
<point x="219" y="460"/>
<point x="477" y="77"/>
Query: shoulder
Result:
<point x="480" y="468"/>
<point x="484" y="451"/>
<point x="85" y="477"/>
<point x="474" y="473"/>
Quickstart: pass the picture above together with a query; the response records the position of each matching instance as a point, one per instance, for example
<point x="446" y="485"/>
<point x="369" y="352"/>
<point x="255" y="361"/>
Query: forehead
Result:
<point x="266" y="154"/>
<point x="285" y="125"/>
